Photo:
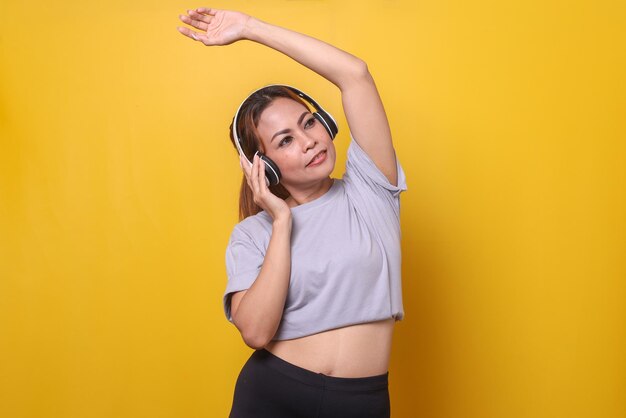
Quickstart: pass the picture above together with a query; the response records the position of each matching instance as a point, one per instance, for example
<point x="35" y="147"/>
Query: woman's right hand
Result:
<point x="216" y="27"/>
<point x="276" y="207"/>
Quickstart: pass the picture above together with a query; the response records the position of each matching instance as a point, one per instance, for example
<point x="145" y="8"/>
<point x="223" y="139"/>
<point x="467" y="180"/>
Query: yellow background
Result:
<point x="118" y="192"/>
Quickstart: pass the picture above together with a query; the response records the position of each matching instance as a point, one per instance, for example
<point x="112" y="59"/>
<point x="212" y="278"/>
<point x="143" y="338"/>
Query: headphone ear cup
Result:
<point x="328" y="122"/>
<point x="272" y="172"/>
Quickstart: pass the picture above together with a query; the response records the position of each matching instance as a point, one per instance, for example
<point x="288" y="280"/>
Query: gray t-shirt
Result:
<point x="345" y="253"/>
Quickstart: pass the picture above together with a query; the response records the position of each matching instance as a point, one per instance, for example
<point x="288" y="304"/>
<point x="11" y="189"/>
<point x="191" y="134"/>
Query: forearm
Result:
<point x="261" y="308"/>
<point x="362" y="104"/>
<point x="337" y="66"/>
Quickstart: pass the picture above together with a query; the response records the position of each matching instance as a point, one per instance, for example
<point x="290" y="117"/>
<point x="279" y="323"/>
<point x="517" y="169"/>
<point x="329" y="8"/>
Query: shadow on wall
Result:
<point x="419" y="353"/>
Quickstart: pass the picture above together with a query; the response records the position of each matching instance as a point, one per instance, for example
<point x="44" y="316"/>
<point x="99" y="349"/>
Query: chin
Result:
<point x="303" y="182"/>
<point x="325" y="173"/>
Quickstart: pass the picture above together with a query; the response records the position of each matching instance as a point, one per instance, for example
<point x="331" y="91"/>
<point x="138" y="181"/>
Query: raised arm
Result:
<point x="361" y="102"/>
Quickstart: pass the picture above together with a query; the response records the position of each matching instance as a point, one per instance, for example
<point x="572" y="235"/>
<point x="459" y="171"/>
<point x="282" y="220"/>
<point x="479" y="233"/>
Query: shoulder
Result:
<point x="363" y="173"/>
<point x="253" y="226"/>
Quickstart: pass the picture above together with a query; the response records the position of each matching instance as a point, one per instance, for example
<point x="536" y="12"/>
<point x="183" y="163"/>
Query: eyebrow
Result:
<point x="284" y="131"/>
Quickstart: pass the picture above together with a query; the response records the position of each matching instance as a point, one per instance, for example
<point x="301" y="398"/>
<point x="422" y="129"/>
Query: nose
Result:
<point x="308" y="142"/>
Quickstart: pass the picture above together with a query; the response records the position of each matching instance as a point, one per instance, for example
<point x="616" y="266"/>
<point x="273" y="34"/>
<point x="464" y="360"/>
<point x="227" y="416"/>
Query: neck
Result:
<point x="304" y="195"/>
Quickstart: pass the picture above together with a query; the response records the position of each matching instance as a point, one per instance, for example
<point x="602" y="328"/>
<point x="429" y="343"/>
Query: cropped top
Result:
<point x="345" y="253"/>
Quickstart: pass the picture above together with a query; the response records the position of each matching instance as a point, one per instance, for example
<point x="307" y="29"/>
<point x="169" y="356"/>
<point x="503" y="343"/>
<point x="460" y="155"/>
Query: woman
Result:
<point x="314" y="266"/>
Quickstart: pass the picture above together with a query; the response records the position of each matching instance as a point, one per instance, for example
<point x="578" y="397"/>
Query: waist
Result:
<point x="320" y="380"/>
<point x="354" y="351"/>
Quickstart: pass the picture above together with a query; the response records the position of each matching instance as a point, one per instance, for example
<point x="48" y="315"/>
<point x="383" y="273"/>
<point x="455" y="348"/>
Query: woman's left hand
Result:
<point x="216" y="27"/>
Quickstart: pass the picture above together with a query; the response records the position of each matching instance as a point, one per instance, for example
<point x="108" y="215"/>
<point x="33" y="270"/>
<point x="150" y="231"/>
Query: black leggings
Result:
<point x="270" y="387"/>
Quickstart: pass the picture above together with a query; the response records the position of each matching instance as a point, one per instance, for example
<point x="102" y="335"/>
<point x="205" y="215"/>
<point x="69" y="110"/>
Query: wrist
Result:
<point x="283" y="221"/>
<point x="250" y="28"/>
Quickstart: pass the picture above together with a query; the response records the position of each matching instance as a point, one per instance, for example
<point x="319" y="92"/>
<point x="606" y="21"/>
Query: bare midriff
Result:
<point x="354" y="351"/>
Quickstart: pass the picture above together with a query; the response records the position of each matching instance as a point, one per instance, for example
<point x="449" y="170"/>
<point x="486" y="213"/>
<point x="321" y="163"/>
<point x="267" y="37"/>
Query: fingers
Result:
<point x="247" y="169"/>
<point x="258" y="170"/>
<point x="263" y="182"/>
<point x="193" y="35"/>
<point x="257" y="181"/>
<point x="255" y="177"/>
<point x="188" y="32"/>
<point x="198" y="24"/>
<point x="199" y="19"/>
<point x="206" y="10"/>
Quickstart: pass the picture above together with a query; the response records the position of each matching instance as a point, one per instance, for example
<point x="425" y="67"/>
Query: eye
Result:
<point x="285" y="141"/>
<point x="310" y="122"/>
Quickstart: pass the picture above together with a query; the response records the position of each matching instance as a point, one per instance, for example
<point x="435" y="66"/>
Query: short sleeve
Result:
<point x="365" y="181"/>
<point x="244" y="259"/>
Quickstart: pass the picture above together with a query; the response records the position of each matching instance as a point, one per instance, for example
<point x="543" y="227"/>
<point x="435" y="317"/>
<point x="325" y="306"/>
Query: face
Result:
<point x="297" y="142"/>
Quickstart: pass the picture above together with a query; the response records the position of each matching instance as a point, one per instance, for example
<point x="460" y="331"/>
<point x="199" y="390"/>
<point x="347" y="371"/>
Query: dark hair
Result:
<point x="247" y="123"/>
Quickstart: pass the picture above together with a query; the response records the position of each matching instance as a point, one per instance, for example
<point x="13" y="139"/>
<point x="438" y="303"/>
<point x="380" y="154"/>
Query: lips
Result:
<point x="317" y="159"/>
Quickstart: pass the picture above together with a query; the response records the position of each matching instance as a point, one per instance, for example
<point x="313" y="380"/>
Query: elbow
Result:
<point x="255" y="341"/>
<point x="256" y="334"/>
<point x="361" y="70"/>
<point x="358" y="74"/>
<point x="253" y="335"/>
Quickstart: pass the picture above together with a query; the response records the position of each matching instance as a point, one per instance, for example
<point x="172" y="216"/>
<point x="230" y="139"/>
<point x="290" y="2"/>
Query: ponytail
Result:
<point x="247" y="207"/>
